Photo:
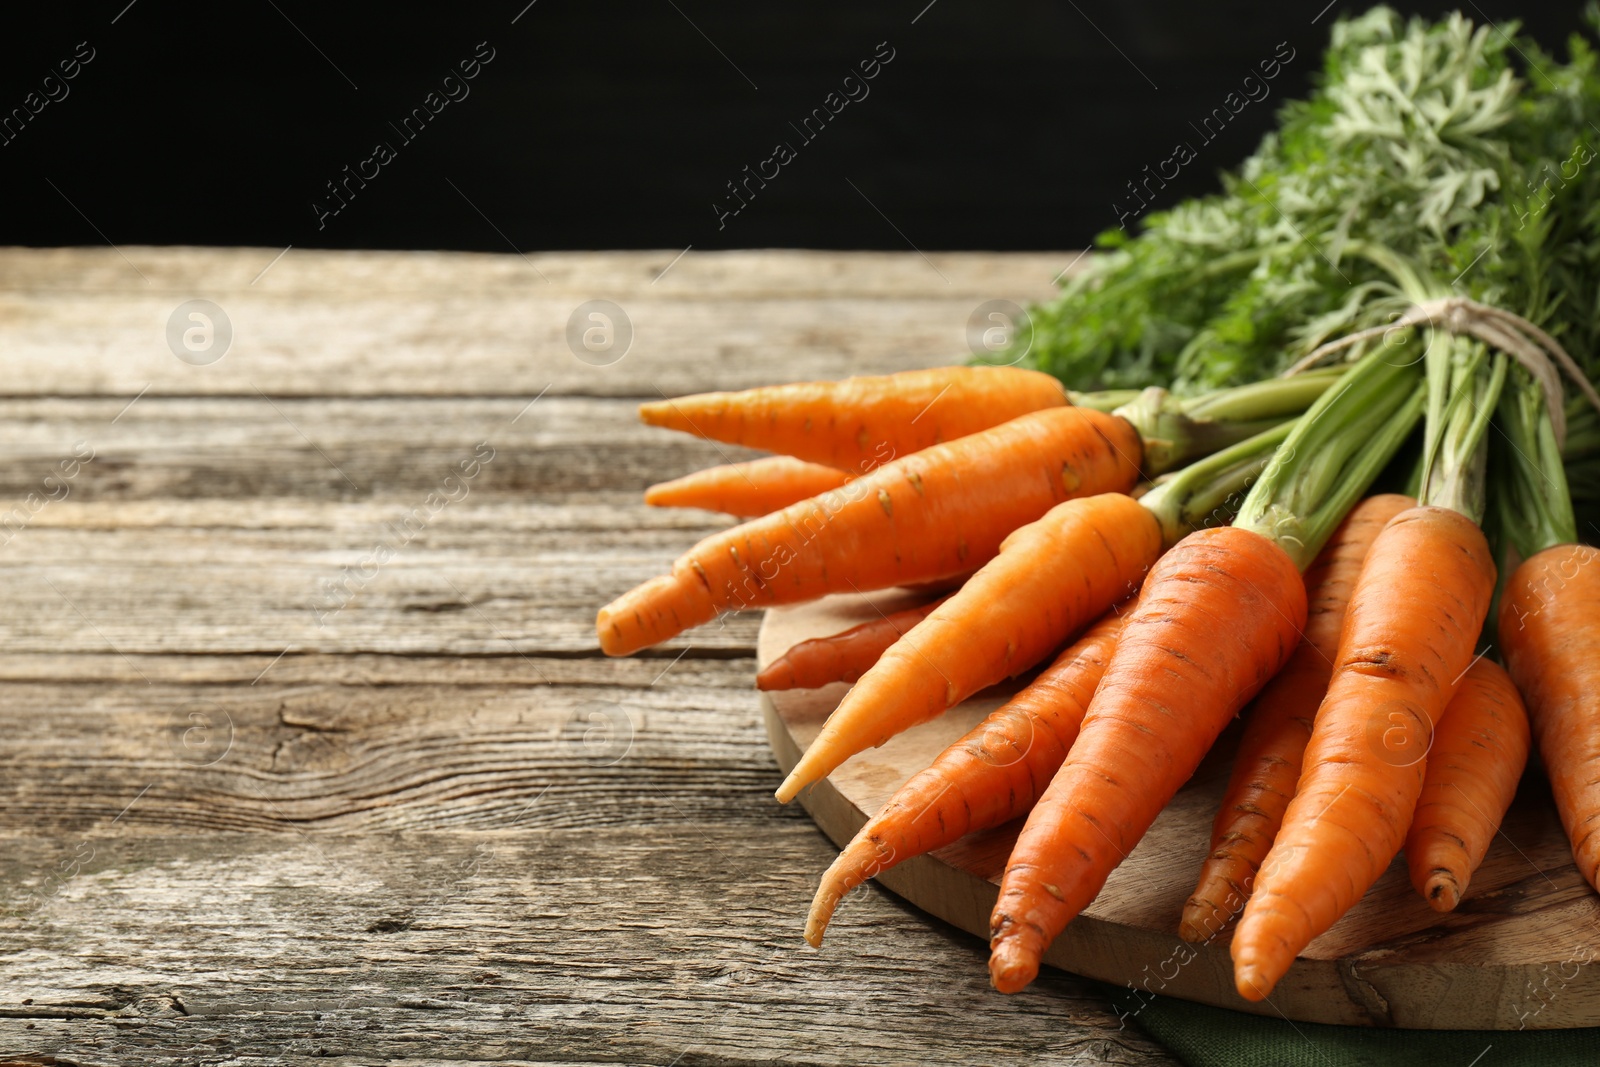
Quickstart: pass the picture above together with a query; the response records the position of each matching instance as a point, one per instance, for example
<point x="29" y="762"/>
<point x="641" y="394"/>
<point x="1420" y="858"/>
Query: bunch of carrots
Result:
<point x="1373" y="556"/>
<point x="1350" y="628"/>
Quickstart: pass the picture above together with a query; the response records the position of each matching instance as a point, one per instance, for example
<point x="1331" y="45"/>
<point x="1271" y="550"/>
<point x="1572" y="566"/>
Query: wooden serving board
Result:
<point x="1515" y="954"/>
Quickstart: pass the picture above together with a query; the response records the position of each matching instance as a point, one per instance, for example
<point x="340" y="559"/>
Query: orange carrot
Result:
<point x="933" y="514"/>
<point x="747" y="489"/>
<point x="1479" y="751"/>
<point x="990" y="776"/>
<point x="1551" y="644"/>
<point x="861" y="423"/>
<point x="1174" y="682"/>
<point x="1413" y="620"/>
<point x="841" y="657"/>
<point x="1051" y="578"/>
<point x="1267" y="765"/>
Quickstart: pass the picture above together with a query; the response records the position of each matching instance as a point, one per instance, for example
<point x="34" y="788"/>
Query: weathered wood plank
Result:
<point x="80" y="322"/>
<point x="464" y="585"/>
<point x="709" y="668"/>
<point x="657" y="944"/>
<point x="773" y="274"/>
<point x="431" y="826"/>
<point x="361" y="757"/>
<point x="196" y="525"/>
<point x="261" y="449"/>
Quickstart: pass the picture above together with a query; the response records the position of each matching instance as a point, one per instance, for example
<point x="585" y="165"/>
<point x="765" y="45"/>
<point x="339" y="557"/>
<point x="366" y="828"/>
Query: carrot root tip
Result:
<point x="769" y="681"/>
<point x="1442" y="893"/>
<point x="1252" y="984"/>
<point x="1012" y="967"/>
<point x="821" y="914"/>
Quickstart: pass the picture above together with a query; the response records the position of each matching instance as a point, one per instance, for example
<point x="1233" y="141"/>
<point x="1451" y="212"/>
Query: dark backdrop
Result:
<point x="1012" y="125"/>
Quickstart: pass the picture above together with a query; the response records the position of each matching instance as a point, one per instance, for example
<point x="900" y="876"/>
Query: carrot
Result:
<point x="1218" y="616"/>
<point x="1050" y="578"/>
<point x="933" y="514"/>
<point x="988" y="777"/>
<point x="1479" y="750"/>
<point x="861" y="423"/>
<point x="1267" y="764"/>
<point x="841" y="657"/>
<point x="1175" y="680"/>
<point x="1413" y="620"/>
<point x="1551" y="643"/>
<point x="747" y="489"/>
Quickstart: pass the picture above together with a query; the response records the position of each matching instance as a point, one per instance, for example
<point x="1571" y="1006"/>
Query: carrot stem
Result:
<point x="1268" y="398"/>
<point x="1209" y="491"/>
<point x="1583" y="431"/>
<point x="1335" y="451"/>
<point x="1177" y="430"/>
<point x="1106" y="400"/>
<point x="1461" y="397"/>
<point x="1532" y="490"/>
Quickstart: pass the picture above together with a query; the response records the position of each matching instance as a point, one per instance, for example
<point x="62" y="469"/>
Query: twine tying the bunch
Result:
<point x="1506" y="331"/>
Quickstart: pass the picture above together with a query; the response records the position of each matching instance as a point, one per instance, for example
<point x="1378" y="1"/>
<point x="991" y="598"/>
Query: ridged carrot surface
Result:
<point x="747" y="489"/>
<point x="1277" y="727"/>
<point x="860" y="424"/>
<point x="1051" y="578"/>
<point x="936" y="513"/>
<point x="1218" y="615"/>
<point x="840" y="657"/>
<point x="1550" y="639"/>
<point x="990" y="776"/>
<point x="1479" y="750"/>
<point x="1408" y="639"/>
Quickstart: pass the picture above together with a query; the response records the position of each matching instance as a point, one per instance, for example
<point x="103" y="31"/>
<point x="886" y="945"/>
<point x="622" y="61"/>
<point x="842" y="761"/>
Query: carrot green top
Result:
<point x="1336" y="449"/>
<point x="1464" y="384"/>
<point x="1531" y="492"/>
<point x="1177" y="430"/>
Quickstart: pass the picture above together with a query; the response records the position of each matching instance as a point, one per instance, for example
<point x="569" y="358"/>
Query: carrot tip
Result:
<point x="1012" y="967"/>
<point x="776" y="676"/>
<point x="1251" y="982"/>
<point x="823" y="904"/>
<point x="1441" y="893"/>
<point x="655" y="413"/>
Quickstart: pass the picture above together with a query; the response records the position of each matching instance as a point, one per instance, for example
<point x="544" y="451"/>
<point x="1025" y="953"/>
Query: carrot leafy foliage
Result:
<point x="1436" y="155"/>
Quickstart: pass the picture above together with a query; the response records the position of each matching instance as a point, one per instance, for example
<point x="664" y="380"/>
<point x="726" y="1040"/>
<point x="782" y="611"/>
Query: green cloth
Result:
<point x="1202" y="1036"/>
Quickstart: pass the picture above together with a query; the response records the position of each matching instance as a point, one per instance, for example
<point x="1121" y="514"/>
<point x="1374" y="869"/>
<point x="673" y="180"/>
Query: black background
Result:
<point x="616" y="125"/>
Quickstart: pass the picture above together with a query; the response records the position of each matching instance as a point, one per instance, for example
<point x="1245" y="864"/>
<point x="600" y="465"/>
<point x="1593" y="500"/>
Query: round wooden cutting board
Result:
<point x="1515" y="954"/>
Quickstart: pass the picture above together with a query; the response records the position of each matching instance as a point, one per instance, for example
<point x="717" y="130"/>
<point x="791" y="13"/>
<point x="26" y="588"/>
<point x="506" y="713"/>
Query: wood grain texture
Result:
<point x="433" y="826"/>
<point x="1515" y="954"/>
<point x="85" y="322"/>
<point x="255" y="447"/>
<point x="609" y="944"/>
<point x="481" y="579"/>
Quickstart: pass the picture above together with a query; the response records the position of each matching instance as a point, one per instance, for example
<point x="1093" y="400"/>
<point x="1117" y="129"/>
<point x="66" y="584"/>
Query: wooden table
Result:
<point x="309" y="754"/>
